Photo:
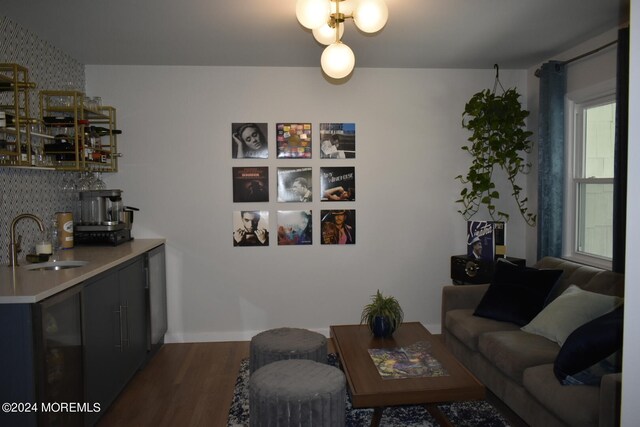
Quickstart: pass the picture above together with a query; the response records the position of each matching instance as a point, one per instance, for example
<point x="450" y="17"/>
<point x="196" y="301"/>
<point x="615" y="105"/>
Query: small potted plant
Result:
<point x="383" y="315"/>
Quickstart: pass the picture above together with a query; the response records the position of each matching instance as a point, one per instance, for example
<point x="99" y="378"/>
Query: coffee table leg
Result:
<point x="377" y="416"/>
<point x="436" y="413"/>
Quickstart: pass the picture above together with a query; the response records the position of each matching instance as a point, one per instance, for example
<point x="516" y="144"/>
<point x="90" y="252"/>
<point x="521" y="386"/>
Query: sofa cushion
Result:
<point x="586" y="277"/>
<point x="467" y="328"/>
<point x="516" y="294"/>
<point x="584" y="357"/>
<point x="576" y="406"/>
<point x="570" y="310"/>
<point x="514" y="351"/>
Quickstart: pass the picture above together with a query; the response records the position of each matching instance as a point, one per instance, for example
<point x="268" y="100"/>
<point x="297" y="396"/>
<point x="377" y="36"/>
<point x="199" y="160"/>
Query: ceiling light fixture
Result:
<point x="326" y="19"/>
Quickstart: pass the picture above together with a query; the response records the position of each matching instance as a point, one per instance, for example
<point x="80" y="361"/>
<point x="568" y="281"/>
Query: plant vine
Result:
<point x="498" y="137"/>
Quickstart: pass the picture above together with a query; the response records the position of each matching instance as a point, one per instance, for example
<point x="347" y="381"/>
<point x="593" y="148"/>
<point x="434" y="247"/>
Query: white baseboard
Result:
<point x="173" y="337"/>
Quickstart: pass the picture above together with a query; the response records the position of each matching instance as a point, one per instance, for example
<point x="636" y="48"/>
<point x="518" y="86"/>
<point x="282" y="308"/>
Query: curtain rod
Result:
<point x="591" y="52"/>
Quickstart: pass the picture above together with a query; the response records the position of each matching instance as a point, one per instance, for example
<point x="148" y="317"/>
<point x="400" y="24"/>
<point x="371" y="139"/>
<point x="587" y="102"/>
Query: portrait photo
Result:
<point x="294" y="185"/>
<point x="251" y="228"/>
<point x="249" y="141"/>
<point x="338" y="227"/>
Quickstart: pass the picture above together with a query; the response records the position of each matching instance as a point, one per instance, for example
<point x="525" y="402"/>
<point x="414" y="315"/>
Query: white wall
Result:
<point x="630" y="365"/>
<point x="177" y="169"/>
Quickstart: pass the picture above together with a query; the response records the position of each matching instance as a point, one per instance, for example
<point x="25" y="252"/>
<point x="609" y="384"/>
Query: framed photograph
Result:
<point x="251" y="228"/>
<point x="338" y="227"/>
<point x="293" y="140"/>
<point x="337" y="140"/>
<point x="249" y="141"/>
<point x="338" y="184"/>
<point x="295" y="228"/>
<point x="251" y="184"/>
<point x="294" y="185"/>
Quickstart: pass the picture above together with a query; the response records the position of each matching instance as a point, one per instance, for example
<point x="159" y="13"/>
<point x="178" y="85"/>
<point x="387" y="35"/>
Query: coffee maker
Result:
<point x="102" y="218"/>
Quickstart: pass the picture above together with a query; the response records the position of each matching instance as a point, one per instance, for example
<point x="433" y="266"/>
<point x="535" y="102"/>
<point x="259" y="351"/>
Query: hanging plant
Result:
<point x="498" y="138"/>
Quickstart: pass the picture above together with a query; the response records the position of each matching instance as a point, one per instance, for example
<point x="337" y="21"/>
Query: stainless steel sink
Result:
<point x="55" y="265"/>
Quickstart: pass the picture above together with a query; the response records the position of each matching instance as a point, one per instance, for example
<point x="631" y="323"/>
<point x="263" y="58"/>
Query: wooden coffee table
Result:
<point x="369" y="390"/>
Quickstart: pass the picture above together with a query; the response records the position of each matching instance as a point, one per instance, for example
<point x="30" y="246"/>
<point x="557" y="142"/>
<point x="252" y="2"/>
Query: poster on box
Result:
<point x="293" y="140"/>
<point x="338" y="184"/>
<point x="294" y="184"/>
<point x="486" y="239"/>
<point x="337" y="140"/>
<point x="295" y="228"/>
<point x="251" y="184"/>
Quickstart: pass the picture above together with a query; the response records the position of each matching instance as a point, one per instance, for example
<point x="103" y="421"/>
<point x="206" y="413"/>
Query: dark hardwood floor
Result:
<point x="192" y="385"/>
<point x="183" y="385"/>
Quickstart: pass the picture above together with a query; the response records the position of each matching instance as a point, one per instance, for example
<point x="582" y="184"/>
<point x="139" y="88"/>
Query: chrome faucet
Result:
<point x="14" y="245"/>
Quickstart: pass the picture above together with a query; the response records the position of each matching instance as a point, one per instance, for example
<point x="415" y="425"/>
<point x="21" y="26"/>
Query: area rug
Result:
<point x="461" y="414"/>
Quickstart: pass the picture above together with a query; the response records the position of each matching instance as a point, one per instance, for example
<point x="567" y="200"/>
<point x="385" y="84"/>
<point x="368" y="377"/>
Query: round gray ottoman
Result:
<point x="286" y="343"/>
<point x="297" y="393"/>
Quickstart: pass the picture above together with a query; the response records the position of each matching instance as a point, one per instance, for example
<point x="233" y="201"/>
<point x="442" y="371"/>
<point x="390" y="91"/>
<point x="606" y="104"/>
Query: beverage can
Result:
<point x="65" y="229"/>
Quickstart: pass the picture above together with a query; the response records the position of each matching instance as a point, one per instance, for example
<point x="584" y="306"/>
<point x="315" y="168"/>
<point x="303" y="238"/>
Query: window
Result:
<point x="589" y="203"/>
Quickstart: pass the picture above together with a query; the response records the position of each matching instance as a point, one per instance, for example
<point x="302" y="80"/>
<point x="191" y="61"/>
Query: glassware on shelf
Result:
<point x="84" y="183"/>
<point x="98" y="183"/>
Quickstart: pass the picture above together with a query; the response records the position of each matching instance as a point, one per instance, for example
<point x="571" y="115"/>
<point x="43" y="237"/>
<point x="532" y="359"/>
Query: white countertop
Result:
<point x="18" y="285"/>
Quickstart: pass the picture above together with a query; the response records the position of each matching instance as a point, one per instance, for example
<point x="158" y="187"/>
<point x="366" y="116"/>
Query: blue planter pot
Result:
<point x="381" y="327"/>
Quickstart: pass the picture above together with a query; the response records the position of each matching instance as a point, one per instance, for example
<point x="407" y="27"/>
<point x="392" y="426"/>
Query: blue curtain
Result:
<point x="551" y="156"/>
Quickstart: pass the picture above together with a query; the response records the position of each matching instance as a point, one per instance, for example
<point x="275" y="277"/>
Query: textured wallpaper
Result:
<point x="40" y="192"/>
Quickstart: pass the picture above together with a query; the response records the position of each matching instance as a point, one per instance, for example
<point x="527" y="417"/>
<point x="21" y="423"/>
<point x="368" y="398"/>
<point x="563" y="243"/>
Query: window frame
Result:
<point x="575" y="105"/>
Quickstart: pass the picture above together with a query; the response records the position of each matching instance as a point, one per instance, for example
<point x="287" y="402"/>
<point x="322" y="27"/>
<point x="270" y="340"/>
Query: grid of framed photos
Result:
<point x="294" y="185"/>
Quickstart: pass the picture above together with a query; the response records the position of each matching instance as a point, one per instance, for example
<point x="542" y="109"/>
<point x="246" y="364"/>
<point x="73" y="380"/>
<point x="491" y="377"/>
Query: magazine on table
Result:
<point x="413" y="361"/>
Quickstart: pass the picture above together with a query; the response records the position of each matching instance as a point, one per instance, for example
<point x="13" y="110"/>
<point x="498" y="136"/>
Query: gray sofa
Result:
<point x="518" y="366"/>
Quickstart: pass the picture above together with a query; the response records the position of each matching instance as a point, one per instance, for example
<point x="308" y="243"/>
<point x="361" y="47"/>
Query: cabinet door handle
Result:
<point x="119" y="312"/>
<point x="125" y="308"/>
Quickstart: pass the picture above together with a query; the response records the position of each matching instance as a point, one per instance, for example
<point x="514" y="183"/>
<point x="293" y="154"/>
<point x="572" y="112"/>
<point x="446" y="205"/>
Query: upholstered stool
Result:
<point x="286" y="343"/>
<point x="300" y="393"/>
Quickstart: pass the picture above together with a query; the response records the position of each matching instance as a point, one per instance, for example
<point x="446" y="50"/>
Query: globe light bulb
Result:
<point x="313" y="13"/>
<point x="327" y="35"/>
<point x="346" y="7"/>
<point x="371" y="15"/>
<point x="337" y="60"/>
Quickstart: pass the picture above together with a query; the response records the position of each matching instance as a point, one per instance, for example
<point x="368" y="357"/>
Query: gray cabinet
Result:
<point x="115" y="332"/>
<point x="83" y="344"/>
<point x="41" y="360"/>
<point x="156" y="298"/>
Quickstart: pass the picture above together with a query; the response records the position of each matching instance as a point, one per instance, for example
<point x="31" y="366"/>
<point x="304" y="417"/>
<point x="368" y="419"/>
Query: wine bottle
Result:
<point x="63" y="121"/>
<point x="8" y="120"/>
<point x="8" y="86"/>
<point x="102" y="131"/>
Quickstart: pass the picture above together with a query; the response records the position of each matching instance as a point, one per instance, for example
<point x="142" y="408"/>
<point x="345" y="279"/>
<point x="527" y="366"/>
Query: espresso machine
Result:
<point x="104" y="218"/>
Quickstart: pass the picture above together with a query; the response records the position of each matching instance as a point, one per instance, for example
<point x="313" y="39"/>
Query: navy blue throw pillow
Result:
<point x="591" y="344"/>
<point x="516" y="294"/>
